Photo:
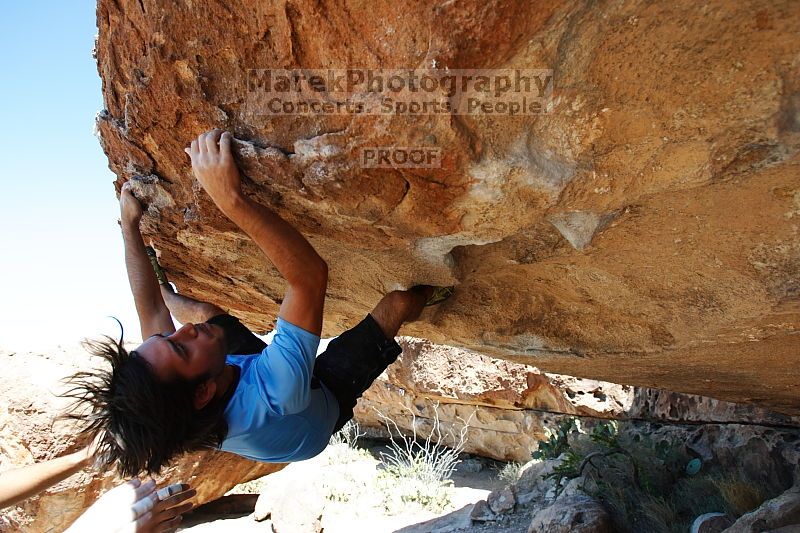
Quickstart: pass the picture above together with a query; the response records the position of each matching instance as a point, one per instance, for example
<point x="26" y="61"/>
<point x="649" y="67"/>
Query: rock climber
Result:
<point x="212" y="383"/>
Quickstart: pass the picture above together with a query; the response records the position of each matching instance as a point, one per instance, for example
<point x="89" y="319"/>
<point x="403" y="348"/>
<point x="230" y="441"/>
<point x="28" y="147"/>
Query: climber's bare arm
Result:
<point x="153" y="314"/>
<point x="304" y="270"/>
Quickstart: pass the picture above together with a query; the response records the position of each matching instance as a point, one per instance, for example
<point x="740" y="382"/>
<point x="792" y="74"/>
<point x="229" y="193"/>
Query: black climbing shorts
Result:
<point x="352" y="361"/>
<point x="349" y="365"/>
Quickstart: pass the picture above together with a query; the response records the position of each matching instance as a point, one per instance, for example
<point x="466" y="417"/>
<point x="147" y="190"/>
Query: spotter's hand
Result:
<point x="214" y="167"/>
<point x="168" y="511"/>
<point x="136" y="507"/>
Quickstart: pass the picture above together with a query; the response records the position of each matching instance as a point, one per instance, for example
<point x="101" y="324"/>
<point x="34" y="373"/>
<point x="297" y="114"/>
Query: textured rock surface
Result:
<point x="765" y="457"/>
<point x="780" y="512"/>
<point x="644" y="232"/>
<point x="293" y="499"/>
<point x="501" y="501"/>
<point x="575" y="514"/>
<point x="29" y="433"/>
<point x="510" y="406"/>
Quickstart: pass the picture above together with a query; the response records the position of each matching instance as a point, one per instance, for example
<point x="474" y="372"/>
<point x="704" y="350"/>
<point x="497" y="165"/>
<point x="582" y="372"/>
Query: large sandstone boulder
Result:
<point x="509" y="407"/>
<point x="643" y="231"/>
<point x="29" y="433"/>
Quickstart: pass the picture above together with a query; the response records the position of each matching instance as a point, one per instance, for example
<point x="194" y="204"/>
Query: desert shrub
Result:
<point x="643" y="481"/>
<point x="557" y="441"/>
<point x="510" y="472"/>
<point x="343" y="446"/>
<point x="339" y="496"/>
<point x="349" y="434"/>
<point x="398" y="491"/>
<point x="254" y="486"/>
<point x="428" y="458"/>
<point x="419" y="467"/>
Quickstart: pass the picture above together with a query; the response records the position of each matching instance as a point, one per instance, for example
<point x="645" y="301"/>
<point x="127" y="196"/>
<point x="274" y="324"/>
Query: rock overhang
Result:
<point x="644" y="231"/>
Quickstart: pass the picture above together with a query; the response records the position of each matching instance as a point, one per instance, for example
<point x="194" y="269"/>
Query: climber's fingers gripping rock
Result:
<point x="214" y="167"/>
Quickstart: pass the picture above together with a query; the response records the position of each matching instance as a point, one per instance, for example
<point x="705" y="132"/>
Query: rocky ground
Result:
<point x="350" y="489"/>
<point x="347" y="486"/>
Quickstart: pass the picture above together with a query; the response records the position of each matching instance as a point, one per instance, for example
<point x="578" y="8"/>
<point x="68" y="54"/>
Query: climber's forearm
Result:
<point x="22" y="483"/>
<point x="153" y="314"/>
<point x="290" y="252"/>
<point x="293" y="256"/>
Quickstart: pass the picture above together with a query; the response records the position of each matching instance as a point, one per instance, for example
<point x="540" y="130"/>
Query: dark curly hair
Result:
<point x="142" y="422"/>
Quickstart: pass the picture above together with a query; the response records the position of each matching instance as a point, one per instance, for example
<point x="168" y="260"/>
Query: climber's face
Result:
<point x="192" y="352"/>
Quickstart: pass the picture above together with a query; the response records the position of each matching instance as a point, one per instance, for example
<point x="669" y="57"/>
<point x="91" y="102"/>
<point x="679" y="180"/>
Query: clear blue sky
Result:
<point x="61" y="266"/>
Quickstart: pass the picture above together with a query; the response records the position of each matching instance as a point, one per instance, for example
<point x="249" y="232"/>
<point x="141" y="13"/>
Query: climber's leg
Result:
<point x="354" y="359"/>
<point x="399" y="307"/>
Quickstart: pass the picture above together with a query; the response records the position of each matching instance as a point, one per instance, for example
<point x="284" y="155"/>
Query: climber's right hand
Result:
<point x="214" y="167"/>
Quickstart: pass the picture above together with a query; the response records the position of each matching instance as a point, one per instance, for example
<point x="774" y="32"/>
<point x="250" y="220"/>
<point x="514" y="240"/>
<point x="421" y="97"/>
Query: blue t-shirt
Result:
<point x="274" y="415"/>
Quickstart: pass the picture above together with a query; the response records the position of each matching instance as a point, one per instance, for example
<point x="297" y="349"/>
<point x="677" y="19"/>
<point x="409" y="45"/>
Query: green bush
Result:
<point x="643" y="481"/>
<point x="557" y="442"/>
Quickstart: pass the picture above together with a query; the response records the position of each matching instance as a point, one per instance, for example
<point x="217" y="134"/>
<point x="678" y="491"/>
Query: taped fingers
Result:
<point x="171" y="490"/>
<point x="175" y="499"/>
<point x="143" y="506"/>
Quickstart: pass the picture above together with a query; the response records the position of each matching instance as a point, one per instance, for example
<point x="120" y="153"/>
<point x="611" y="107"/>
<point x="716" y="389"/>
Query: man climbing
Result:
<point x="182" y="390"/>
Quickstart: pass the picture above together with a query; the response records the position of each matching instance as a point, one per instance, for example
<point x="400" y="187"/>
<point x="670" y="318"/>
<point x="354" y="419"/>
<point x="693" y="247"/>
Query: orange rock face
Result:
<point x="642" y="231"/>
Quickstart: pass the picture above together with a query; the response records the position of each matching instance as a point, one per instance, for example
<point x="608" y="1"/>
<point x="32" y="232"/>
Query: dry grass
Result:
<point x="742" y="496"/>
